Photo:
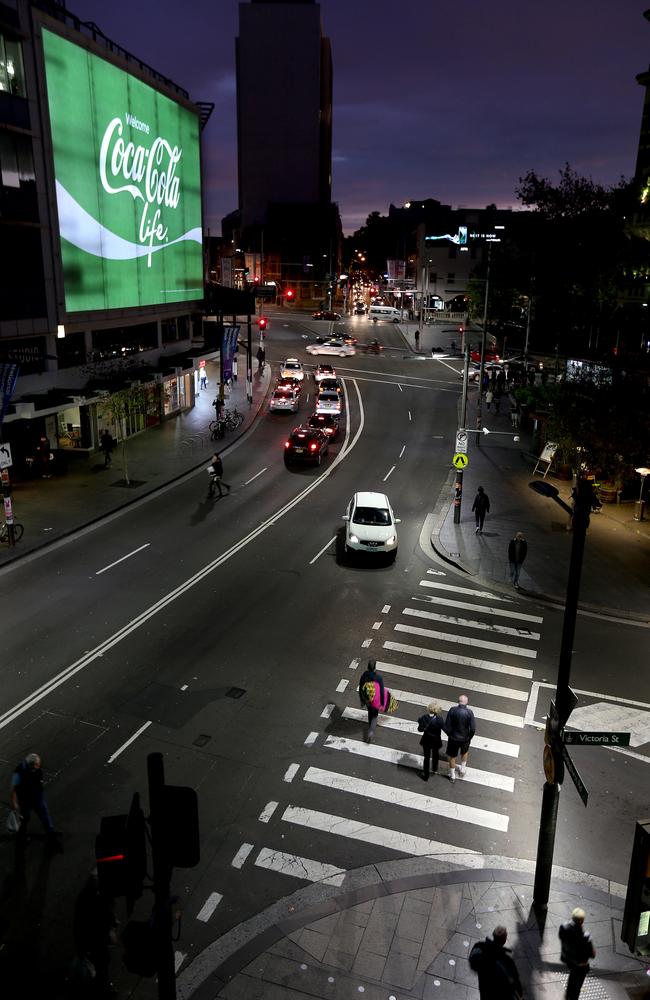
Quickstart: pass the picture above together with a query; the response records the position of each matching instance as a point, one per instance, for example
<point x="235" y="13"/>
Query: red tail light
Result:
<point x="313" y="446"/>
<point x="287" y="444"/>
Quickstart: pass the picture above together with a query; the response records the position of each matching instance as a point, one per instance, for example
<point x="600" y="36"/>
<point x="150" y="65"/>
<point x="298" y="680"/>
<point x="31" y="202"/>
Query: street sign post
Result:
<point x="461" y="442"/>
<point x="5" y="455"/>
<point x="460" y="461"/>
<point x="575" y="777"/>
<point x="582" y="739"/>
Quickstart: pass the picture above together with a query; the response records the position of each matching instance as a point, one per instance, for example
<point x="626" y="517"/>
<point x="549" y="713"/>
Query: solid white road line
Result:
<point x="70" y="671"/>
<point x="394" y="840"/>
<point x="514" y="694"/>
<point x="118" y="561"/>
<point x="209" y="906"/>
<point x="324" y="549"/>
<point x="241" y="855"/>
<point x="406" y="726"/>
<point x="401" y="758"/>
<point x="464" y="590"/>
<point x="311" y="739"/>
<point x="267" y="811"/>
<point x="387" y="794"/>
<point x="392" y="469"/>
<point x="128" y="743"/>
<point x="486" y="714"/>
<point x="463" y="661"/>
<point x="433" y="616"/>
<point x="463" y="640"/>
<point x="327" y="711"/>
<point x="341" y="686"/>
<point x="484" y="609"/>
<point x="291" y="772"/>
<point x="253" y="478"/>
<point x="402" y="451"/>
<point x="304" y="868"/>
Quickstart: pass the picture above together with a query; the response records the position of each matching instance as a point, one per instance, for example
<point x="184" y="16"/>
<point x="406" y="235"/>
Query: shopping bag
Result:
<point x="13" y="821"/>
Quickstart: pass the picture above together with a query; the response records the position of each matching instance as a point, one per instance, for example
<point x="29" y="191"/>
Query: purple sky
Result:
<point x="450" y="101"/>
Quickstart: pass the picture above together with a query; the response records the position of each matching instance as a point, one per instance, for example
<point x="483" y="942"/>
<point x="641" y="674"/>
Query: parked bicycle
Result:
<point x="233" y="419"/>
<point x="4" y="532"/>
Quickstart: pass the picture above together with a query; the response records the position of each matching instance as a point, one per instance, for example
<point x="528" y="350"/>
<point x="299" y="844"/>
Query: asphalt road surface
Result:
<point x="229" y="634"/>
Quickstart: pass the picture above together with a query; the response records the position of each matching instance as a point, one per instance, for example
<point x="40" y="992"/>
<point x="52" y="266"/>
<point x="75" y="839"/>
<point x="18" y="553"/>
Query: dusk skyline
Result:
<point x="455" y="107"/>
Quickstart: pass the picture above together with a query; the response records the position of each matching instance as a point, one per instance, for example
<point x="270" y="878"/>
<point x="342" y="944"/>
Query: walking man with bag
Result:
<point x="27" y="794"/>
<point x="460" y="727"/>
<point x="577" y="950"/>
<point x="517" y="550"/>
<point x="430" y="725"/>
<point x="481" y="507"/>
<point x="498" y="978"/>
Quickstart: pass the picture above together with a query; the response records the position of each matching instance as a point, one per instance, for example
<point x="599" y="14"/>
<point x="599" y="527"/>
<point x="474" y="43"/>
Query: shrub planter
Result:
<point x="607" y="493"/>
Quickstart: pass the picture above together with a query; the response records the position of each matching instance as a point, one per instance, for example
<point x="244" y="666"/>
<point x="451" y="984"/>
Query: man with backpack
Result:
<point x="498" y="978"/>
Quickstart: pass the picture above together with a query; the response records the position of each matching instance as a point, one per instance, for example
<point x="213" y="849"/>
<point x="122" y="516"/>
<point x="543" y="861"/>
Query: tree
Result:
<point x="127" y="410"/>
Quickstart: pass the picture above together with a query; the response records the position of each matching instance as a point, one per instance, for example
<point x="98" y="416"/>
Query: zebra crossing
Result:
<point x="350" y="799"/>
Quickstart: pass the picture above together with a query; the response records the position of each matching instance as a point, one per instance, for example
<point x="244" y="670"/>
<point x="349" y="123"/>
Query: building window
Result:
<point x="12" y="74"/>
<point x="17" y="181"/>
<point x="451" y="278"/>
<point x="433" y="278"/>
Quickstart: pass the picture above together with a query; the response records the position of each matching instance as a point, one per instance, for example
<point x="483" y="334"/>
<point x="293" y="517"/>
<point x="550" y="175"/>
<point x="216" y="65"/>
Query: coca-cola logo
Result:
<point x="147" y="173"/>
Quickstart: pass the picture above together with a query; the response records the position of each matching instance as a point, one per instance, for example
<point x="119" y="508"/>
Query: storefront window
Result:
<point x="12" y="75"/>
<point x="171" y="395"/>
<point x="73" y="428"/>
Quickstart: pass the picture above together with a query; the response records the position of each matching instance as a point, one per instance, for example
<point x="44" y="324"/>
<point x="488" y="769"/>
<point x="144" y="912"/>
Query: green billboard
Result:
<point x="128" y="184"/>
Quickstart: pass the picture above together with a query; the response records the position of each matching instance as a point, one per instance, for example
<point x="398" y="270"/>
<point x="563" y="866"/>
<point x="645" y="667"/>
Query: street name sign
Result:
<point x="460" y="461"/>
<point x="461" y="442"/>
<point x="597" y="739"/>
<point x="575" y="777"/>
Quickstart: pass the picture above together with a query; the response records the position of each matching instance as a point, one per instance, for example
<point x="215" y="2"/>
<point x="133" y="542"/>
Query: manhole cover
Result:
<point x="201" y="740"/>
<point x="235" y="692"/>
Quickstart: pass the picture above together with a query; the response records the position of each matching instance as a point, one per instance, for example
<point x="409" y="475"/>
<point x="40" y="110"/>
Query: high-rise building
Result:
<point x="284" y="107"/>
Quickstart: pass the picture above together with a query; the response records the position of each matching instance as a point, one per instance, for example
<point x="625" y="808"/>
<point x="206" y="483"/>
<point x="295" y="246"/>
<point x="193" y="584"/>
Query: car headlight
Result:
<point x="354" y="539"/>
<point x="391" y="540"/>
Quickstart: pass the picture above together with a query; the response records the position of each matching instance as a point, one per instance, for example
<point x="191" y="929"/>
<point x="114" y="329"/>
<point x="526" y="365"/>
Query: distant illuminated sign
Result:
<point x="459" y="238"/>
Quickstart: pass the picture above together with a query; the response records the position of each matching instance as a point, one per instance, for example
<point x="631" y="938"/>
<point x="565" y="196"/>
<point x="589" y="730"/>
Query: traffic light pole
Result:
<point x="551" y="791"/>
<point x="162" y="917"/>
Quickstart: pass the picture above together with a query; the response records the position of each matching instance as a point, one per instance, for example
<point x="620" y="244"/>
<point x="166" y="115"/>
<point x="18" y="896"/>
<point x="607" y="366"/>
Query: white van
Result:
<point x="384" y="312"/>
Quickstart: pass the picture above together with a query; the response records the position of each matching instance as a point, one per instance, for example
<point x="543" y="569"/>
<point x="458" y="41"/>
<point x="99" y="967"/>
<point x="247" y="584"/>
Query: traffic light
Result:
<point x="635" y="931"/>
<point x="290" y="295"/>
<point x="121" y="854"/>
<point x="262" y="323"/>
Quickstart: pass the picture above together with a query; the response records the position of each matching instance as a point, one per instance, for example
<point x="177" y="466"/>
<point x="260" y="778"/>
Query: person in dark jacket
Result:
<point x="430" y="725"/>
<point x="370" y="674"/>
<point x="498" y="978"/>
<point x="481" y="506"/>
<point x="27" y="794"/>
<point x="577" y="950"/>
<point x="460" y="727"/>
<point x="517" y="549"/>
<point x="106" y="445"/>
<point x="216" y="476"/>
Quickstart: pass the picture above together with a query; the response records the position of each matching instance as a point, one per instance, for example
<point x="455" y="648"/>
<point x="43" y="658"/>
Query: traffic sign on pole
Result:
<point x="582" y="739"/>
<point x="575" y="777"/>
<point x="6" y="462"/>
<point x="460" y="461"/>
<point x="461" y="442"/>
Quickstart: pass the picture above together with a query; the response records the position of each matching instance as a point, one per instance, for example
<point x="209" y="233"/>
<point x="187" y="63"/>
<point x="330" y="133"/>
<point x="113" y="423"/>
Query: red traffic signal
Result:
<point x="262" y="322"/>
<point x="290" y="295"/>
<point x="256" y="279"/>
<point x="121" y="854"/>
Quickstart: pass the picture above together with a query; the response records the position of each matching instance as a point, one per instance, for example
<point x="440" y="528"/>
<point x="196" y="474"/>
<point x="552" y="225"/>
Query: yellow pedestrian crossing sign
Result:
<point x="460" y="460"/>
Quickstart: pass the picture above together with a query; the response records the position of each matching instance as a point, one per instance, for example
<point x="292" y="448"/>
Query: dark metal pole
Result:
<point x="551" y="792"/>
<point x="162" y="918"/>
<point x="458" y="499"/>
<point x="249" y="360"/>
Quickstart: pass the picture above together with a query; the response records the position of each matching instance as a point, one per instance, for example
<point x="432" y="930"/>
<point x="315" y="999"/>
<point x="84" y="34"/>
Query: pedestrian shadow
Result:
<point x="202" y="510"/>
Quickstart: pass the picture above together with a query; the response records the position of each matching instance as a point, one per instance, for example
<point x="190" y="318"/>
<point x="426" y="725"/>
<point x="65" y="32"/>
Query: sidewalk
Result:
<point x="53" y="508"/>
<point x="404" y="929"/>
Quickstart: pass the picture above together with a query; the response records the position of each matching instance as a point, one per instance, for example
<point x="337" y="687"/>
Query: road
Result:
<point x="229" y="635"/>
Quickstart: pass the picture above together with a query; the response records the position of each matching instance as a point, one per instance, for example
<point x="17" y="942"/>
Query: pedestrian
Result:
<point x="216" y="475"/>
<point x="94" y="926"/>
<point x="489" y="396"/>
<point x="417" y="340"/>
<point x="218" y="404"/>
<point x="45" y="456"/>
<point x="460" y="727"/>
<point x="106" y="445"/>
<point x="481" y="507"/>
<point x="430" y="725"/>
<point x="515" y="416"/>
<point x="498" y="978"/>
<point x="27" y="794"/>
<point x="261" y="356"/>
<point x="577" y="950"/>
<point x="374" y="696"/>
<point x="517" y="550"/>
<point x="203" y="375"/>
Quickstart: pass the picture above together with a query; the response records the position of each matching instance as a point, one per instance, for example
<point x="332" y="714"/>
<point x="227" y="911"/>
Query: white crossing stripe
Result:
<point x="366" y="643"/>
<point x="311" y="739"/>
<point x="291" y="772"/>
<point x="487" y="714"/>
<point x="341" y="686"/>
<point x="464" y="640"/>
<point x="465" y="590"/>
<point x="433" y="616"/>
<point x="209" y="906"/>
<point x="385" y="609"/>
<point x="268" y="811"/>
<point x="304" y="868"/>
<point x="376" y="625"/>
<point x="463" y="661"/>
<point x="327" y="711"/>
<point x="406" y="726"/>
<point x="395" y="840"/>
<point x="179" y="958"/>
<point x="514" y="694"/>
<point x="354" y="663"/>
<point x="484" y="608"/>
<point x="241" y="855"/>
<point x="402" y="758"/>
<point x="408" y="800"/>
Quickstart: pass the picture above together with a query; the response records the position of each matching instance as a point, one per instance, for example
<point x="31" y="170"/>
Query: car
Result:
<point x="291" y="368"/>
<point x="330" y="385"/>
<point x="284" y="400"/>
<point x="325" y="314"/>
<point x="324" y="371"/>
<point x="333" y="346"/>
<point x="347" y="338"/>
<point x="359" y="309"/>
<point x="326" y="422"/>
<point x="329" y="402"/>
<point x="289" y="382"/>
<point x="370" y="525"/>
<point x="305" y="444"/>
<point x="489" y="356"/>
